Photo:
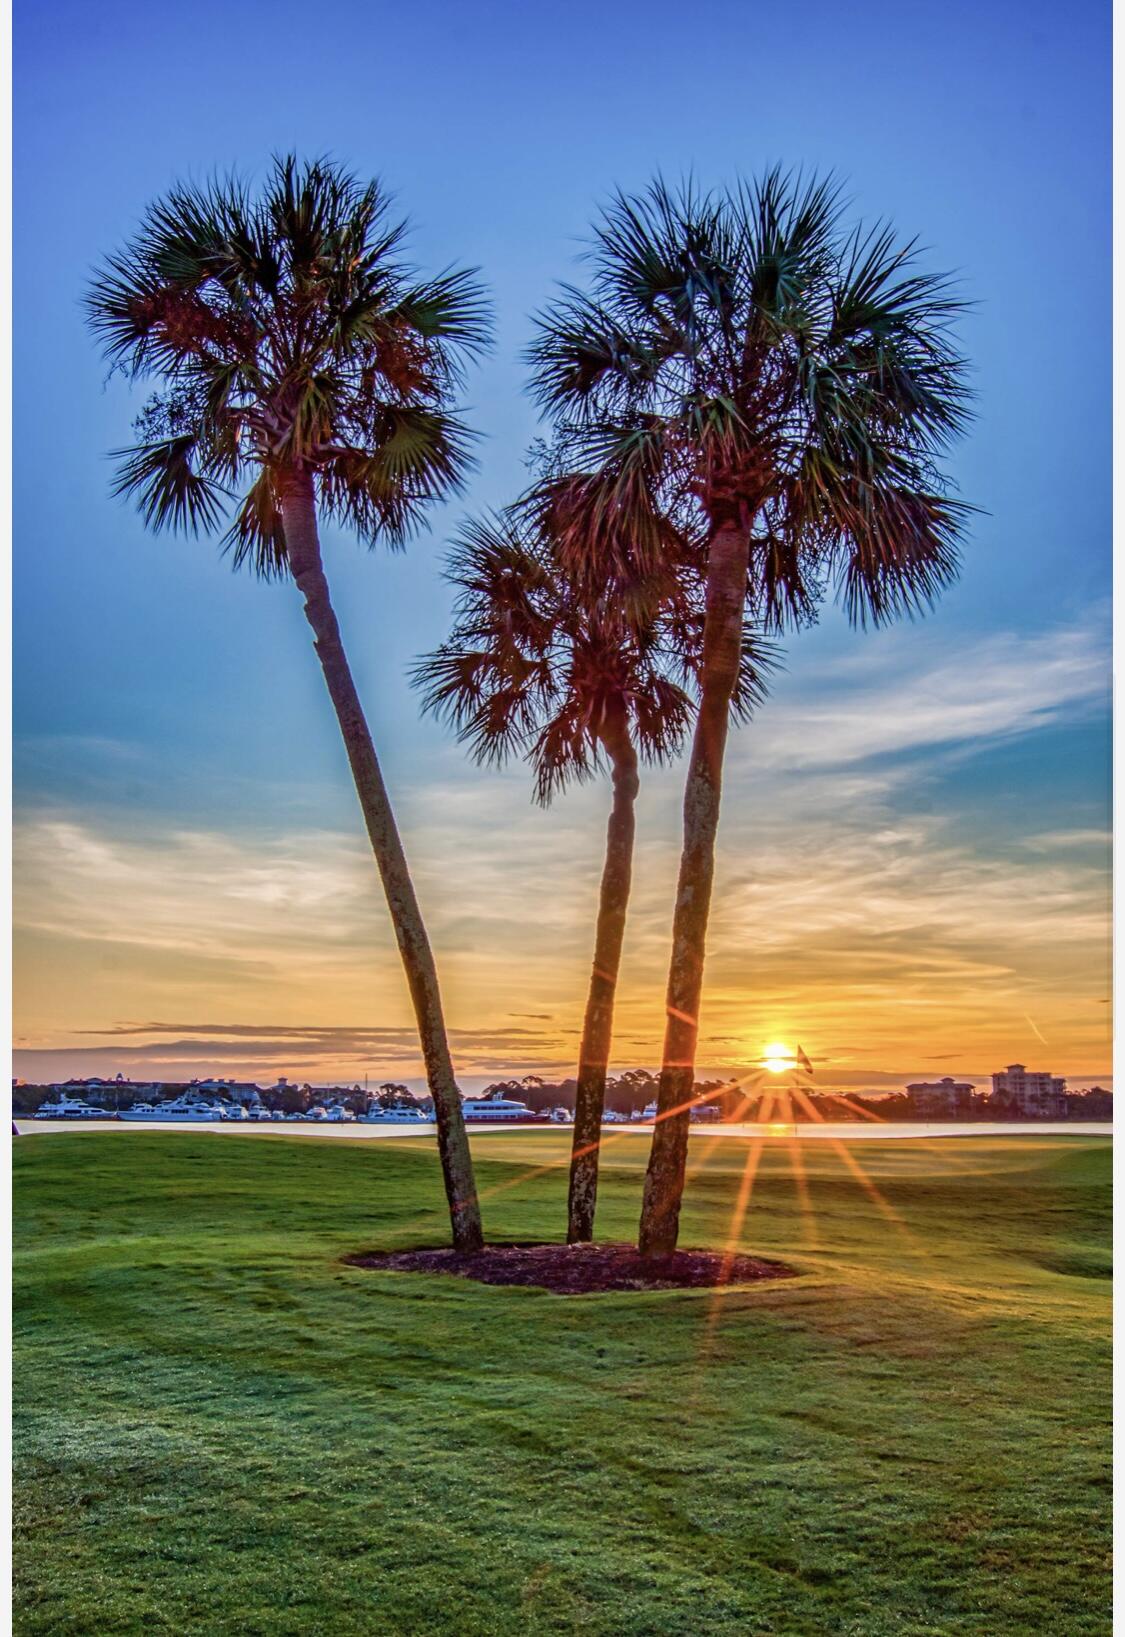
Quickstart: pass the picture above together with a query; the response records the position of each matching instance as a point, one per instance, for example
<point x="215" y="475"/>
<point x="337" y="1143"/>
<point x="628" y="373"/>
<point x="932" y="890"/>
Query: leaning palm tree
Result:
<point x="302" y="367"/>
<point x="792" y="384"/>
<point x="574" y="680"/>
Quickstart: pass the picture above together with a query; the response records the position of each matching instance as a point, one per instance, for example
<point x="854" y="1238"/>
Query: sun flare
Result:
<point x="778" y="1058"/>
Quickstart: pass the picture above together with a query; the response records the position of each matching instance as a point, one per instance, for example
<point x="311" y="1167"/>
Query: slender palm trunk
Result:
<point x="303" y="546"/>
<point x="722" y="647"/>
<point x="597" y="1028"/>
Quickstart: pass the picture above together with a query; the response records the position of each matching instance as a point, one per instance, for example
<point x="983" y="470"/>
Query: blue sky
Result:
<point x="171" y="724"/>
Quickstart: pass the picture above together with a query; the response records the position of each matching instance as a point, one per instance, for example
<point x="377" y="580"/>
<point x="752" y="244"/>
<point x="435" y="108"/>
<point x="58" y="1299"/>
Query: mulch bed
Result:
<point x="578" y="1270"/>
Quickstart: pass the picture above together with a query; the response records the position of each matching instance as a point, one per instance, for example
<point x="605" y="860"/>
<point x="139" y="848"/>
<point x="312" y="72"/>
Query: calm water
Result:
<point x="846" y="1130"/>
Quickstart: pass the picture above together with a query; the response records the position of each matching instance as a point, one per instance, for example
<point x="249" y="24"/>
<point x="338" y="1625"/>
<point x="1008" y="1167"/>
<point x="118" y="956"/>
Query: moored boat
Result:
<point x="403" y="1115"/>
<point x="509" y="1110"/>
<point x="177" y="1109"/>
<point x="69" y="1108"/>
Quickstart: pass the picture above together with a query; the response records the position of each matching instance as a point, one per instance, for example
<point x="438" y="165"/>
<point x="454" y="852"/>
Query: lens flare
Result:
<point x="778" y="1058"/>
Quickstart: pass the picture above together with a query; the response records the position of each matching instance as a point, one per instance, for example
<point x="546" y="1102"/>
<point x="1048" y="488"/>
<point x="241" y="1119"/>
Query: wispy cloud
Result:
<point x="893" y="701"/>
<point x="190" y="889"/>
<point x="1051" y="841"/>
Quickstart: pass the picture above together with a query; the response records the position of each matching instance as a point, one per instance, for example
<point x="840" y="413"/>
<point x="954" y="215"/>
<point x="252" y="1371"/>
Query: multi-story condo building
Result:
<point x="1029" y="1092"/>
<point x="939" y="1097"/>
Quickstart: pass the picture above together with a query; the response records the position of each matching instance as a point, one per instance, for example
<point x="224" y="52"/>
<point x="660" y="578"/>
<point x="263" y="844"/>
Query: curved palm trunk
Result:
<point x="722" y="647"/>
<point x="597" y="1028"/>
<point x="303" y="546"/>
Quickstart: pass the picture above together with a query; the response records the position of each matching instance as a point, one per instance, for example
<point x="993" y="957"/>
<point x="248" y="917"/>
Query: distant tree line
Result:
<point x="628" y="1093"/>
<point x="631" y="1092"/>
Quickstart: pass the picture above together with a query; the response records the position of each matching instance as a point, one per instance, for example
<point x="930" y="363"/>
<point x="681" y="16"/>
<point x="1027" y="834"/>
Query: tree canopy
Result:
<point x="750" y="360"/>
<point x="285" y="328"/>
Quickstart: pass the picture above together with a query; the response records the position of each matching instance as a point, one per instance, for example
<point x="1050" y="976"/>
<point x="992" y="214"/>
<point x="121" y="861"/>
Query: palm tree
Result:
<point x="302" y="366"/>
<point x="791" y="384"/>
<point x="575" y="680"/>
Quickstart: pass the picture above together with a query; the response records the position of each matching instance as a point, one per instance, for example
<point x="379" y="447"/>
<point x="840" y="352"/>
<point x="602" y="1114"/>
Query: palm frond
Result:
<point x="417" y="456"/>
<point x="901" y="549"/>
<point x="257" y="534"/>
<point x="170" y="492"/>
<point x="585" y="362"/>
<point x="448" y="308"/>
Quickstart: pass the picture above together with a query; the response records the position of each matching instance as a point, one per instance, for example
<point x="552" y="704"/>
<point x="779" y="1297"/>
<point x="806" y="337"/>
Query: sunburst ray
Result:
<point x="870" y="1188"/>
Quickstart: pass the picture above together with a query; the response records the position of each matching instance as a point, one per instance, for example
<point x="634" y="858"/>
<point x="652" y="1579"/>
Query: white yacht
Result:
<point x="496" y="1109"/>
<point x="338" y="1115"/>
<point x="404" y="1114"/>
<point x="704" y="1111"/>
<point x="69" y="1108"/>
<point x="177" y="1109"/>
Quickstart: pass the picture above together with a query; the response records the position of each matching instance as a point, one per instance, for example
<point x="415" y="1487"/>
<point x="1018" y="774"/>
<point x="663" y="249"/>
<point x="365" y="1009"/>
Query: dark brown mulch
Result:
<point x="578" y="1270"/>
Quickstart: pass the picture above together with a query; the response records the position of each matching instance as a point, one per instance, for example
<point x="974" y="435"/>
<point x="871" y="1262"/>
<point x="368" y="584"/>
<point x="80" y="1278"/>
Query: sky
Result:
<point x="913" y="874"/>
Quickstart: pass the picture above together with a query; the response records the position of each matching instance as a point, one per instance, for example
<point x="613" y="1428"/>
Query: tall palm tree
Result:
<point x="575" y="679"/>
<point x="793" y="385"/>
<point x="302" y="366"/>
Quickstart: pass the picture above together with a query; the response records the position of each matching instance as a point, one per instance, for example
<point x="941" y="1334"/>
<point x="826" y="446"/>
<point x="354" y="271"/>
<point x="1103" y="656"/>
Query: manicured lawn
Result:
<point x="219" y="1429"/>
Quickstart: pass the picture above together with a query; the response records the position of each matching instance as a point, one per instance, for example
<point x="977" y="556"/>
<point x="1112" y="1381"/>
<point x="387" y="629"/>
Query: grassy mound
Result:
<point x="222" y="1429"/>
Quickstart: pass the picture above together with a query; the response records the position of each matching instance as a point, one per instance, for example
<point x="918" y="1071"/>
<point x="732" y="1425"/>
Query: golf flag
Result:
<point x="803" y="1061"/>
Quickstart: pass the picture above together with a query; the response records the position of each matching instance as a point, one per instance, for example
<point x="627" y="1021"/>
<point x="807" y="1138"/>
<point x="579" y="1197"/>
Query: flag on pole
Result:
<point x="803" y="1062"/>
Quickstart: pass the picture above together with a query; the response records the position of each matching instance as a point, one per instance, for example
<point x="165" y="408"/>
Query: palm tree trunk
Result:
<point x="597" y="1028"/>
<point x="303" y="547"/>
<point x="722" y="648"/>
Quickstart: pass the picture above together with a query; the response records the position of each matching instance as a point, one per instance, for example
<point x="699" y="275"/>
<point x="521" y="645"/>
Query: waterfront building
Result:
<point x="941" y="1097"/>
<point x="101" y="1093"/>
<point x="1029" y="1092"/>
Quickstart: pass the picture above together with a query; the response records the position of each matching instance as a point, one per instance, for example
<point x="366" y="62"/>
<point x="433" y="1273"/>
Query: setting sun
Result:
<point x="778" y="1058"/>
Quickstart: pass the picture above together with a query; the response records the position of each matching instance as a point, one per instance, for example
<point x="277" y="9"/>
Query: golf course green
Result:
<point x="219" y="1428"/>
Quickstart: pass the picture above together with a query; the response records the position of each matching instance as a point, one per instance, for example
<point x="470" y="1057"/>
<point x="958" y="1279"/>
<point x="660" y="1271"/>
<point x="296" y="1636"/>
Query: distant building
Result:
<point x="941" y="1097"/>
<point x="102" y="1093"/>
<point x="244" y="1092"/>
<point x="328" y="1096"/>
<point x="1029" y="1093"/>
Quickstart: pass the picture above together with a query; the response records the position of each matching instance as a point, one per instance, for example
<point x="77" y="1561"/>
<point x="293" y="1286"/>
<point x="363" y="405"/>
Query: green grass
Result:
<point x="220" y="1429"/>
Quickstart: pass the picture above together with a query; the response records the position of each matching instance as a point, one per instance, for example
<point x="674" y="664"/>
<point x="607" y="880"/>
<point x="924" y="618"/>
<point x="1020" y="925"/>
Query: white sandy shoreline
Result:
<point x="812" y="1132"/>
